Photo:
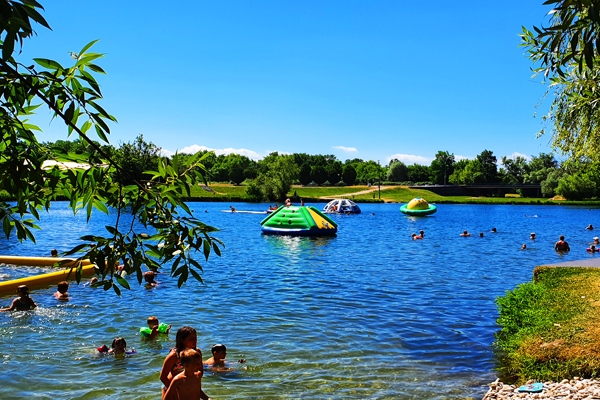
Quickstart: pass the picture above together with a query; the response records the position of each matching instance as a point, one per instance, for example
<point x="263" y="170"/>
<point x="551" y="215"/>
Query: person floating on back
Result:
<point x="62" y="291"/>
<point x="465" y="234"/>
<point x="23" y="302"/>
<point x="154" y="329"/>
<point x="188" y="384"/>
<point x="561" y="245"/>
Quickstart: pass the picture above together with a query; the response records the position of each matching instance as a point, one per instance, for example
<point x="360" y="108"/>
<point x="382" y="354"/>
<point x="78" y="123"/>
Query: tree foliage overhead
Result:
<point x="161" y="229"/>
<point x="567" y="53"/>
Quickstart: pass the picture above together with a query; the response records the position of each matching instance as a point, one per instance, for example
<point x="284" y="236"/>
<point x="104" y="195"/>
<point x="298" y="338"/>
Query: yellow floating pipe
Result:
<point x="38" y="261"/>
<point x="10" y="287"/>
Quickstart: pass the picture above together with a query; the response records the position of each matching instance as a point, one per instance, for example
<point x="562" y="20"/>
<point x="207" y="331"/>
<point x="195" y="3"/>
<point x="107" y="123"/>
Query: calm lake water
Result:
<point x="367" y="314"/>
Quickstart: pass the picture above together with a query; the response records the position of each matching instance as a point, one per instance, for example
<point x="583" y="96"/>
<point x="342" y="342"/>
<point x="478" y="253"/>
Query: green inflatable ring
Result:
<point x="408" y="211"/>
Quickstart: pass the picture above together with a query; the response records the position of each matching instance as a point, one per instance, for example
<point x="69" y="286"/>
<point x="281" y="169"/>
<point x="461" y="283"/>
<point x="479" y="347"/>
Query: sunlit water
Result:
<point x="366" y="314"/>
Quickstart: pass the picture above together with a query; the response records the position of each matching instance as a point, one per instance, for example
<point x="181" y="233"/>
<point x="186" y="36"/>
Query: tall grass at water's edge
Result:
<point x="550" y="327"/>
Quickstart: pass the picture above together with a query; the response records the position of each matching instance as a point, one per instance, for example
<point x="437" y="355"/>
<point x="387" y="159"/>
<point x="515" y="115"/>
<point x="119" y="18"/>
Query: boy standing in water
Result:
<point x="188" y="384"/>
<point x="23" y="302"/>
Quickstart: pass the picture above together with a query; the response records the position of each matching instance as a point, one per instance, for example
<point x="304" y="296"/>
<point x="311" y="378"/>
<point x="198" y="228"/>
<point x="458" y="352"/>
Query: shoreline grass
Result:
<point x="550" y="327"/>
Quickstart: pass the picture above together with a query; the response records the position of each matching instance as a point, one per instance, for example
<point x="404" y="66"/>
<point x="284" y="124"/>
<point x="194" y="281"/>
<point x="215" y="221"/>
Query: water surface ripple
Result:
<point x="366" y="314"/>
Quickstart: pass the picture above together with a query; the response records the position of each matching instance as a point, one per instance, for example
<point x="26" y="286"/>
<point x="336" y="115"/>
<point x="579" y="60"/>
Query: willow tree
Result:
<point x="567" y="54"/>
<point x="161" y="228"/>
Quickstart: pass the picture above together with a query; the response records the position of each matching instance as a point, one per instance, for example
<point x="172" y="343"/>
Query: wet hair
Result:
<point x="153" y="320"/>
<point x="562" y="237"/>
<point x="63" y="286"/>
<point x="183" y="333"/>
<point x="94" y="280"/>
<point x="54" y="252"/>
<point x="217" y="348"/>
<point x="23" y="289"/>
<point x="117" y="341"/>
<point x="187" y="356"/>
<point x="149" y="276"/>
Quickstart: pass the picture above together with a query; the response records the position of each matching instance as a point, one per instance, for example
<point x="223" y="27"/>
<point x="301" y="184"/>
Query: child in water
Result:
<point x="61" y="291"/>
<point x="23" y="302"/>
<point x="154" y="329"/>
<point x="118" y="348"/>
<point x="188" y="384"/>
<point x="217" y="361"/>
<point x="186" y="338"/>
<point x="149" y="278"/>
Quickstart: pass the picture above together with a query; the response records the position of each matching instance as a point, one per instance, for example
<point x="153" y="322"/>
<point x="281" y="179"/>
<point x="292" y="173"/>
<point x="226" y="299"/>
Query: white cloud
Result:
<point x="458" y="158"/>
<point x="515" y="155"/>
<point x="410" y="159"/>
<point x="346" y="149"/>
<point x="193" y="149"/>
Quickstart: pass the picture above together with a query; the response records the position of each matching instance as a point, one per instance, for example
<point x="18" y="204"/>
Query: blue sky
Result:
<point x="358" y="79"/>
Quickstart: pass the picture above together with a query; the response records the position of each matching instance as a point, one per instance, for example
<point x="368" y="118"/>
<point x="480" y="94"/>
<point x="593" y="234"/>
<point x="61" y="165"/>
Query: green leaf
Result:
<point x="7" y="227"/>
<point x="117" y="290"/>
<point x="87" y="46"/>
<point x="123" y="282"/>
<point x="49" y="64"/>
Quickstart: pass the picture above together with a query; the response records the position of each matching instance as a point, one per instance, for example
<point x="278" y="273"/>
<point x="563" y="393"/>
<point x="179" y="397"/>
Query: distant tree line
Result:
<point x="271" y="178"/>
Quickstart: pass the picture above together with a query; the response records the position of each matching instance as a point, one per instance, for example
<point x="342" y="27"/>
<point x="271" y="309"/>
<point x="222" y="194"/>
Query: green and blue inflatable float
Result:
<point x="298" y="221"/>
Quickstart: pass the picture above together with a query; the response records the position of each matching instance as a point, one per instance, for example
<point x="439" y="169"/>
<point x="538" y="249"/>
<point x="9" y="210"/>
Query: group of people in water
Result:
<point x="183" y="368"/>
<point x="560" y="246"/>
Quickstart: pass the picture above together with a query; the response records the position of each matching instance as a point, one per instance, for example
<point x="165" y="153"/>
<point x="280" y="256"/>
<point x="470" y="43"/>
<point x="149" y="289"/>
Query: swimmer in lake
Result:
<point x="596" y="240"/>
<point x="532" y="237"/>
<point x="480" y="234"/>
<point x="465" y="234"/>
<point x="54" y="253"/>
<point x="219" y="352"/>
<point x="561" y="245"/>
<point x="590" y="228"/>
<point x="592" y="249"/>
<point x="494" y="230"/>
<point x="422" y="233"/>
<point x="188" y="384"/>
<point x="23" y="302"/>
<point x="416" y="237"/>
<point x="524" y="247"/>
<point x="62" y="291"/>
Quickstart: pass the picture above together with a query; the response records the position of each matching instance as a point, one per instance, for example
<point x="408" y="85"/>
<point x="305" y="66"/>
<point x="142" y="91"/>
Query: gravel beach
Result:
<point x="575" y="389"/>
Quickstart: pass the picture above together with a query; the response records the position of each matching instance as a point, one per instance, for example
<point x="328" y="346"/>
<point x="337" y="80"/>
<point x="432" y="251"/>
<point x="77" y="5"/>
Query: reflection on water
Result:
<point x="366" y="314"/>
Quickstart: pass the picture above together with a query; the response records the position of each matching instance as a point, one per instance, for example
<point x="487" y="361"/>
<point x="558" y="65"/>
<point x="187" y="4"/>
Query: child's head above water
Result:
<point x="119" y="345"/>
<point x="63" y="287"/>
<point x="219" y="348"/>
<point x="149" y="276"/>
<point x="23" y="289"/>
<point x="152" y="321"/>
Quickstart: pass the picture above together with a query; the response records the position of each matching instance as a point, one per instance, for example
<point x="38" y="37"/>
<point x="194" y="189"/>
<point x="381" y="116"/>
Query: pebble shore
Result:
<point x="574" y="389"/>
